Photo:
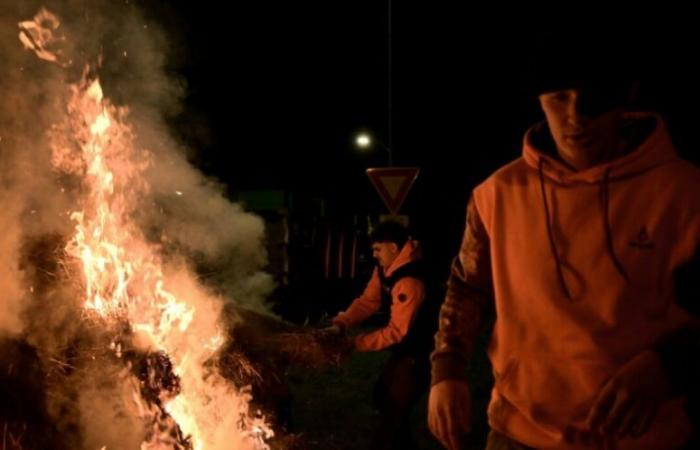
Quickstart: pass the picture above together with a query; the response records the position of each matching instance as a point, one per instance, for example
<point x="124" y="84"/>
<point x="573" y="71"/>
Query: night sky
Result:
<point x="277" y="91"/>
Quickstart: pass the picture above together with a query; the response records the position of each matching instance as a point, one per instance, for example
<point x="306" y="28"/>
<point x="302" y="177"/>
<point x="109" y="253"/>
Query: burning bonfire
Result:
<point x="165" y="363"/>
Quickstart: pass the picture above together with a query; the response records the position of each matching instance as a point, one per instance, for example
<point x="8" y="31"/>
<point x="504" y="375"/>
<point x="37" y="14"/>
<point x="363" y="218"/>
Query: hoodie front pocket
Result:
<point x="551" y="391"/>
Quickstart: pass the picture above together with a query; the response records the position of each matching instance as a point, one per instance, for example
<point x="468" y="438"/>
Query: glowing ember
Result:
<point x="38" y="35"/>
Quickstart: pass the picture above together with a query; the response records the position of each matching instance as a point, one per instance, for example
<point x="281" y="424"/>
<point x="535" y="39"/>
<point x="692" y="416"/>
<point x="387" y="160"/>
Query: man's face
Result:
<point x="385" y="253"/>
<point x="585" y="125"/>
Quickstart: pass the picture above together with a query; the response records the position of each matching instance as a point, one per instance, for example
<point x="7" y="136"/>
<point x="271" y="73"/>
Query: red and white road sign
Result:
<point x="393" y="184"/>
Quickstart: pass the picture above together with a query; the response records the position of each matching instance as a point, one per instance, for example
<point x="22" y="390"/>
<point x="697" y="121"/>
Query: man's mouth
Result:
<point x="578" y="138"/>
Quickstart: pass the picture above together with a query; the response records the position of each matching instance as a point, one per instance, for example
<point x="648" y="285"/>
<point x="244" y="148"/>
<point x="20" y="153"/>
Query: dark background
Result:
<point x="276" y="92"/>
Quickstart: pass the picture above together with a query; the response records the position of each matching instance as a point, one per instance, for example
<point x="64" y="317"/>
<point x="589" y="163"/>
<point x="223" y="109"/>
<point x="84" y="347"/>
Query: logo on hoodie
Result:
<point x="642" y="241"/>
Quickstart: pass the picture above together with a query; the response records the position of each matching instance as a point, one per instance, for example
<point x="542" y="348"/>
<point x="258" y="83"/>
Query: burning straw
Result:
<point x="133" y="359"/>
<point x="315" y="349"/>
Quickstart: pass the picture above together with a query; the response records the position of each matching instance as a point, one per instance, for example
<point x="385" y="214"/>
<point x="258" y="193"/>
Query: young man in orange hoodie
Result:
<point x="582" y="247"/>
<point x="397" y="294"/>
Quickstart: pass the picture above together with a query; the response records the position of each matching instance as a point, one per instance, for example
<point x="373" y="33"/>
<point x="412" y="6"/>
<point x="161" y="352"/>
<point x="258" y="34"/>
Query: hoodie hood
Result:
<point x="651" y="147"/>
<point x="646" y="131"/>
<point x="410" y="252"/>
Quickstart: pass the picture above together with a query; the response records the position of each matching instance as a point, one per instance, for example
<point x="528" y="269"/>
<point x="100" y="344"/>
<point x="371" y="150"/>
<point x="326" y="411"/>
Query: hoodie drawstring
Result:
<point x="550" y="234"/>
<point x="606" y="224"/>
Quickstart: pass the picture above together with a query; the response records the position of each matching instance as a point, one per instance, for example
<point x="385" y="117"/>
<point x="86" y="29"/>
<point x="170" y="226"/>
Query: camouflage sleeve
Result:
<point x="469" y="298"/>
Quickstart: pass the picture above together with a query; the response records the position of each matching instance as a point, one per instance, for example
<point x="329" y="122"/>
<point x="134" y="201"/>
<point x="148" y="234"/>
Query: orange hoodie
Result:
<point x="581" y="273"/>
<point x="407" y="295"/>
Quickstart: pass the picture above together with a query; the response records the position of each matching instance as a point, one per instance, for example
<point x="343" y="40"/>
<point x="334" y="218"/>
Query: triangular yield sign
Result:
<point x="393" y="184"/>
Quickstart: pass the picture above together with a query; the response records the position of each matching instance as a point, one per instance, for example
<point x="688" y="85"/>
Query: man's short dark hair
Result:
<point x="389" y="231"/>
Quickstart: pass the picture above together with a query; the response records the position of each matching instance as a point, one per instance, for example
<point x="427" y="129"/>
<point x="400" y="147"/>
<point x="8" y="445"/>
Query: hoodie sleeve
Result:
<point x="469" y="298"/>
<point x="406" y="296"/>
<point x="679" y="351"/>
<point x="363" y="306"/>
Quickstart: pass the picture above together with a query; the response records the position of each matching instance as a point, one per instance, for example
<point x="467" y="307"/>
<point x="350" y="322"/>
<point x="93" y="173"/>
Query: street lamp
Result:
<point x="365" y="141"/>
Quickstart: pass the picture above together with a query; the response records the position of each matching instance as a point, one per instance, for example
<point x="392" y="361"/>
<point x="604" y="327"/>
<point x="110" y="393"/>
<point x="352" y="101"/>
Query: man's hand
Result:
<point x="450" y="412"/>
<point x="629" y="401"/>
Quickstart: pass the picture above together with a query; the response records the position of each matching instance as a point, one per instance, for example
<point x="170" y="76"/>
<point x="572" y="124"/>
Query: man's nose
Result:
<point x="576" y="113"/>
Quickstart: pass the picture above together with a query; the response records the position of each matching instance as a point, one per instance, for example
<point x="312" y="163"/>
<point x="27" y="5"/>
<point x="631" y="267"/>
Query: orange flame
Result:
<point x="125" y="277"/>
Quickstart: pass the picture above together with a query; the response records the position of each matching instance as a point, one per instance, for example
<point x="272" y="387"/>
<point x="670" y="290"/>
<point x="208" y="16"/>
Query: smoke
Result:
<point x="11" y="306"/>
<point x="31" y="202"/>
<point x="192" y="215"/>
<point x="186" y="211"/>
<point x="212" y="248"/>
<point x="104" y="419"/>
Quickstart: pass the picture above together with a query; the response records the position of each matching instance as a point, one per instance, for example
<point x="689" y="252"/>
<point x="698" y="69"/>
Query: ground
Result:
<point x="332" y="409"/>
